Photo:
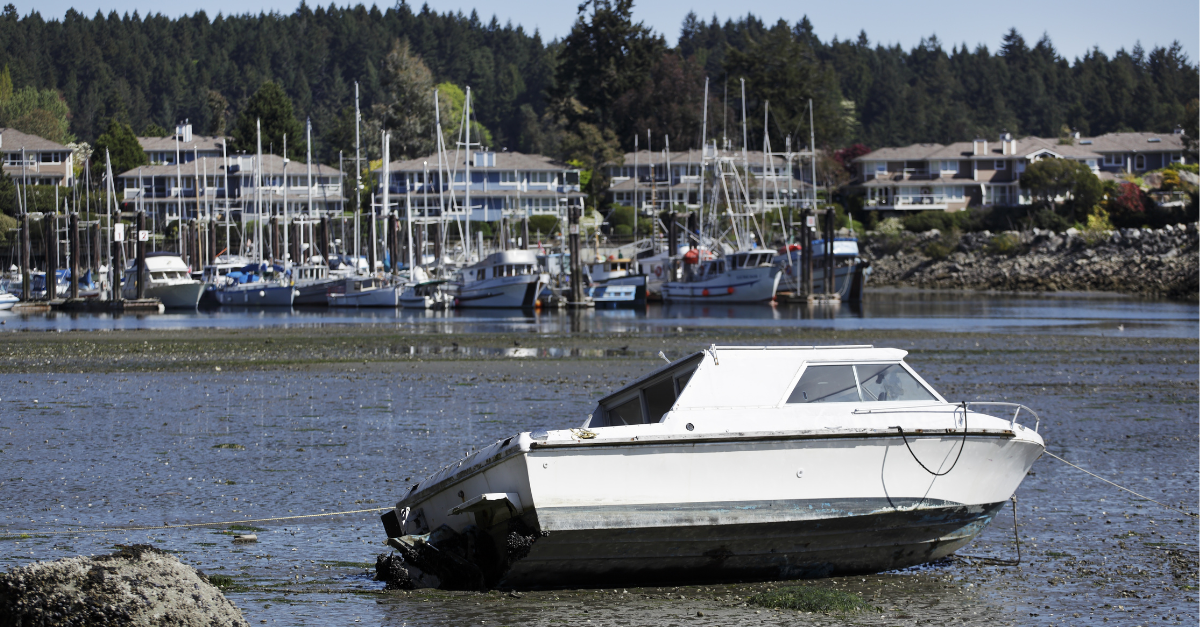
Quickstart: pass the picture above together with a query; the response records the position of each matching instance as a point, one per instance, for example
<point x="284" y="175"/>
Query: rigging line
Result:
<point x="956" y="457"/>
<point x="999" y="560"/>
<point x="207" y="524"/>
<point x="1121" y="486"/>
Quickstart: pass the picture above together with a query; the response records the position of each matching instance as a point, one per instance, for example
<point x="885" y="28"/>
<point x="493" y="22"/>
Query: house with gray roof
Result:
<point x="502" y="184"/>
<point x="657" y="180"/>
<point x="986" y="173"/>
<point x="32" y="160"/>
<point x="206" y="187"/>
<point x="181" y="145"/>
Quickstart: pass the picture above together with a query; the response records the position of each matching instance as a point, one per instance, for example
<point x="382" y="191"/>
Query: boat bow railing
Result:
<point x="1016" y="412"/>
<point x="959" y="406"/>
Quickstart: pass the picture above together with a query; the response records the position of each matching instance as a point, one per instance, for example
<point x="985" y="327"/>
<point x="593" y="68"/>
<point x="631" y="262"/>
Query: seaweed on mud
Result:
<point x="810" y="599"/>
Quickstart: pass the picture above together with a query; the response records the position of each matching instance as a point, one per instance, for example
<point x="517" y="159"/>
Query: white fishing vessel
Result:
<point x="167" y="278"/>
<point x="427" y="295"/>
<point x="741" y="277"/>
<point x="368" y="291"/>
<point x="847" y="263"/>
<point x="733" y="463"/>
<point x="505" y="279"/>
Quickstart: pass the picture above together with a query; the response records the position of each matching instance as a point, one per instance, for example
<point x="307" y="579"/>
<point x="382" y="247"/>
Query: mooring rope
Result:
<point x="1121" y="486"/>
<point x="206" y="524"/>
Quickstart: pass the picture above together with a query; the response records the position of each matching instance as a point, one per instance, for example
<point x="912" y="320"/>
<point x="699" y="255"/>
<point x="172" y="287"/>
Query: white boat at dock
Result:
<point x="167" y="279"/>
<point x="733" y="463"/>
<point x="505" y="279"/>
<point x="433" y="294"/>
<point x="741" y="277"/>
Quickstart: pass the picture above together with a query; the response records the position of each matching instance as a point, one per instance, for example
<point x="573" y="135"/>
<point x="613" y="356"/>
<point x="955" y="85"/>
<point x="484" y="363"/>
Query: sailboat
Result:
<point x="258" y="284"/>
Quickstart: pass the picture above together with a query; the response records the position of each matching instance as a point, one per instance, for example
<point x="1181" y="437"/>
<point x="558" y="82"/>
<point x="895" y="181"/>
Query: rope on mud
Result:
<point x="207" y="524"/>
<point x="1170" y="507"/>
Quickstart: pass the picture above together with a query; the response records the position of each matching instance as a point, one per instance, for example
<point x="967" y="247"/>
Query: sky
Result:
<point x="1075" y="26"/>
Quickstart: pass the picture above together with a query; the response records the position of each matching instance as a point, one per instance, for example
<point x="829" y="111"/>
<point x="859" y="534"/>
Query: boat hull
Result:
<point x="256" y="296"/>
<point x="863" y="537"/>
<point x="724" y="508"/>
<point x="504" y="292"/>
<point x="178" y="296"/>
<point x="381" y="297"/>
<point x="314" y="294"/>
<point x="747" y="285"/>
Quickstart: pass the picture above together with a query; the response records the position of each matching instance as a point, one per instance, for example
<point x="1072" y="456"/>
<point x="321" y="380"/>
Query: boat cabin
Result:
<point x="503" y="264"/>
<point x="725" y="377"/>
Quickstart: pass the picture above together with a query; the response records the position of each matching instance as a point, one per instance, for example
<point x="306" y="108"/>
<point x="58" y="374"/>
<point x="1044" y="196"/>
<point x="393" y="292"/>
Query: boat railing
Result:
<point x="1016" y="412"/>
<point x="958" y="406"/>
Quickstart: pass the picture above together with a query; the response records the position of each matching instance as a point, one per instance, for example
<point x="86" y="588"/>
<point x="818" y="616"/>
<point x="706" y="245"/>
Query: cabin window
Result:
<point x="627" y="413"/>
<point x="659" y="399"/>
<point x="890" y="382"/>
<point x="681" y="382"/>
<point x="857" y="383"/>
<point x="826" y="384"/>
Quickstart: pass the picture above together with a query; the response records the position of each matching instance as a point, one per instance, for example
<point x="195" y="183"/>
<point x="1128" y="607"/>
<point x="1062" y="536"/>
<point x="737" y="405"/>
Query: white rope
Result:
<point x="207" y="524"/>
<point x="1120" y="486"/>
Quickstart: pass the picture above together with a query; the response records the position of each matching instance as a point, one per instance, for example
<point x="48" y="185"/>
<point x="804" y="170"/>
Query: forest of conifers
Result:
<point x="611" y="79"/>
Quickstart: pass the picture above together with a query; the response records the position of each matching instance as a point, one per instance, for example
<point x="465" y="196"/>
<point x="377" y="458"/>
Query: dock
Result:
<point x="95" y="305"/>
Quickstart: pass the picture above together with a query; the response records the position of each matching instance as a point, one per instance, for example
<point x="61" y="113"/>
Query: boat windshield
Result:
<point x="646" y="401"/>
<point x="854" y="383"/>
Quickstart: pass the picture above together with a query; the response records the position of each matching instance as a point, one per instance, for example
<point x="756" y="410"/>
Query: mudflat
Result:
<point x="105" y="430"/>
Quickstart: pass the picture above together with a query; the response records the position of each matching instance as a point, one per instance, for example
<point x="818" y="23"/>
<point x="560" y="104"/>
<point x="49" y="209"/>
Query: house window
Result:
<point x="950" y="166"/>
<point x="1112" y="159"/>
<point x="880" y="168"/>
<point x="508" y="177"/>
<point x="541" y="177"/>
<point x="1139" y="162"/>
<point x="1000" y="164"/>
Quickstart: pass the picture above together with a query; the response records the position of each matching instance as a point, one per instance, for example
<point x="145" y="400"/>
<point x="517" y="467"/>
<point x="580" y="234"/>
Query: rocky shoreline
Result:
<point x="1143" y="262"/>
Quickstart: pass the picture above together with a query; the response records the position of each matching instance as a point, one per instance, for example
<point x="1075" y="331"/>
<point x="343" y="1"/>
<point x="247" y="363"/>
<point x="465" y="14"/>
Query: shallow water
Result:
<point x="86" y="450"/>
<point x="1066" y="313"/>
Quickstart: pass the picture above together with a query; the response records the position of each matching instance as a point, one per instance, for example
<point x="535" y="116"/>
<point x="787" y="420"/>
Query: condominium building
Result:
<point x="32" y="160"/>
<point x="986" y="173"/>
<point x="208" y="185"/>
<point x="182" y="145"/>
<point x="658" y="180"/>
<point x="502" y="184"/>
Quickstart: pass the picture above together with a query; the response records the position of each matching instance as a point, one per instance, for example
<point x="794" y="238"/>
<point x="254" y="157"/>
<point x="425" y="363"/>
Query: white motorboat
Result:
<point x="7" y="301"/>
<point x="503" y="279"/>
<point x="167" y="279"/>
<point x="734" y="463"/>
<point x="358" y="291"/>
<point x="741" y="277"/>
<point x="427" y="295"/>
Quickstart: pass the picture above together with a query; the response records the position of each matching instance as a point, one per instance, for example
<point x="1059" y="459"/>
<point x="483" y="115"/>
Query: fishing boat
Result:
<point x="167" y="279"/>
<point x="505" y="279"/>
<point x="615" y="283"/>
<point x="732" y="463"/>
<point x="313" y="283"/>
<point x="364" y="291"/>
<point x="742" y="277"/>
<point x="433" y="294"/>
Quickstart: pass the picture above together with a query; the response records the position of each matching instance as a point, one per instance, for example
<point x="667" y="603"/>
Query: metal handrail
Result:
<point x="1013" y="422"/>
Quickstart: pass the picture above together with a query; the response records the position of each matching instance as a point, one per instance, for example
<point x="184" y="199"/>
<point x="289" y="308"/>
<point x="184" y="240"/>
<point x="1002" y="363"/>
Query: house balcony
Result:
<point x="924" y="202"/>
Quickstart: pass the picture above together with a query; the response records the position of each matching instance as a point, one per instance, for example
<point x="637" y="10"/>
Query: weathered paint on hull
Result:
<point x="804" y="547"/>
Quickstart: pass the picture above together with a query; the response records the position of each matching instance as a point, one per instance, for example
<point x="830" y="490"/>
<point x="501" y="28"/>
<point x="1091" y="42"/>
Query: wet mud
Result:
<point x="165" y="428"/>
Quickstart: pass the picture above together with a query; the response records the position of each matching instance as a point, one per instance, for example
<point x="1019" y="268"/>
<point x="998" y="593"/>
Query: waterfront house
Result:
<point x="182" y="144"/>
<point x="32" y="160"/>
<point x="983" y="172"/>
<point x="502" y="184"/>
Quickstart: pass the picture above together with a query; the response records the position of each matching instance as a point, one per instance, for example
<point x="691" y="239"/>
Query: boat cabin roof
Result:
<point x="763" y="376"/>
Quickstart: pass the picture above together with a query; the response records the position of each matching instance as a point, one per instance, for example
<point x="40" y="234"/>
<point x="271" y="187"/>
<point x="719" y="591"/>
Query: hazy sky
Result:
<point x="1074" y="27"/>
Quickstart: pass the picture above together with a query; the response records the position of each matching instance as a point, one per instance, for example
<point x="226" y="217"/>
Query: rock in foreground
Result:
<point x="138" y="585"/>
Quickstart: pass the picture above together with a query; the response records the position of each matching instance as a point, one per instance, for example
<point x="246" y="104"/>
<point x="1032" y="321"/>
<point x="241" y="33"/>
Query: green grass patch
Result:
<point x="23" y="536"/>
<point x="236" y="447"/>
<point x="339" y="564"/>
<point x="1057" y="554"/>
<point x="810" y="599"/>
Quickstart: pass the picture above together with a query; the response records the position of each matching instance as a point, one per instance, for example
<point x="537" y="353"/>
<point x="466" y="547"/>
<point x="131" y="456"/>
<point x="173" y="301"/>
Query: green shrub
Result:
<point x="810" y="599"/>
<point x="938" y="250"/>
<point x="623" y="230"/>
<point x="542" y="224"/>
<point x="890" y="226"/>
<point x="1005" y="244"/>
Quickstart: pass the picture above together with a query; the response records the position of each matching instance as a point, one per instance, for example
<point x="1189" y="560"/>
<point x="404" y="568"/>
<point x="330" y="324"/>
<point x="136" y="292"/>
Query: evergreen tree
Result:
<point x="273" y="109"/>
<point x="406" y="109"/>
<point x="121" y="146"/>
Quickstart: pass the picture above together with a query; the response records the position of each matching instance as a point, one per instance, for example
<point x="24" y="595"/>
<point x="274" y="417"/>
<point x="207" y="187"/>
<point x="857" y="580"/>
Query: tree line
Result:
<point x="584" y="98"/>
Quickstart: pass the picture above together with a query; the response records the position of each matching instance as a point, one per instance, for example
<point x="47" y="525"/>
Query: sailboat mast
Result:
<point x="387" y="188"/>
<point x="467" y="128"/>
<point x="287" y="246"/>
<point x="358" y="173"/>
<point x="258" y="234"/>
<point x="308" y="144"/>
